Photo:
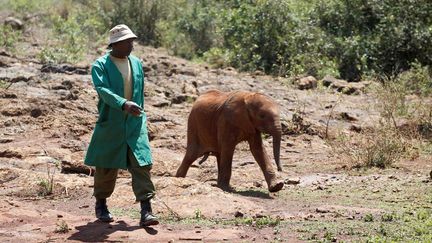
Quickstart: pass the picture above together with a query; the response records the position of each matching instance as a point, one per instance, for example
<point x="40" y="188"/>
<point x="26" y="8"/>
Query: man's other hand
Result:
<point x="132" y="108"/>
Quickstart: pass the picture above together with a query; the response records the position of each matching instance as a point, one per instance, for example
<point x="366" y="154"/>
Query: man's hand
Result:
<point x="132" y="108"/>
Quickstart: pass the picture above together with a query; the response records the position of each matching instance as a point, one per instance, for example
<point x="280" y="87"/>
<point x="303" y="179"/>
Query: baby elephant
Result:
<point x="219" y="121"/>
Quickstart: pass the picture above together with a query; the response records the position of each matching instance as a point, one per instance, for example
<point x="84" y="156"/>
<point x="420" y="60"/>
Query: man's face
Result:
<point x="123" y="48"/>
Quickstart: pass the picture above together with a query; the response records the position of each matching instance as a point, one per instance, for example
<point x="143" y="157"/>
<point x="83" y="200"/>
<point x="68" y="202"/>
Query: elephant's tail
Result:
<point x="204" y="158"/>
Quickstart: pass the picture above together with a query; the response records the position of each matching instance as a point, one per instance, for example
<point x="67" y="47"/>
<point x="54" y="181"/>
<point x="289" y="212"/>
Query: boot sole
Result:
<point x="149" y="223"/>
<point x="106" y="220"/>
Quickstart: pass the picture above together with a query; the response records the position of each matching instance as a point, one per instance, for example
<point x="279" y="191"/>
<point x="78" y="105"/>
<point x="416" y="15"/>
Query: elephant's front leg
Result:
<point x="263" y="160"/>
<point x="224" y="161"/>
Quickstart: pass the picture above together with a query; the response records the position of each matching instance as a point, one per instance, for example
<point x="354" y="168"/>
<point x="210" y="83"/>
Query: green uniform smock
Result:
<point x="114" y="131"/>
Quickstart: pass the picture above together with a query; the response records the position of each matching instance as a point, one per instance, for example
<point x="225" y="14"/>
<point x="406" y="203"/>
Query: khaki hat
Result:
<point x="119" y="33"/>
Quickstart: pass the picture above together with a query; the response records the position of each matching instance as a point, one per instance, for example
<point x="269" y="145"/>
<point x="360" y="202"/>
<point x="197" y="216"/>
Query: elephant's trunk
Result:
<point x="276" y="147"/>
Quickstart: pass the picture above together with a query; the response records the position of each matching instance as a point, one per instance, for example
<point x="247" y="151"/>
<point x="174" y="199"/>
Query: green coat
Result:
<point x="114" y="131"/>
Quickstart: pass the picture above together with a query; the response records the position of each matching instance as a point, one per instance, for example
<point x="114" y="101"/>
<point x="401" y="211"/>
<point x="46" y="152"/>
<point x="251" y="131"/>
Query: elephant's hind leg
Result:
<point x="225" y="167"/>
<point x="191" y="155"/>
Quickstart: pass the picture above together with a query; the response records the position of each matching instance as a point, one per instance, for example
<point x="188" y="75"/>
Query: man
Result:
<point x="120" y="138"/>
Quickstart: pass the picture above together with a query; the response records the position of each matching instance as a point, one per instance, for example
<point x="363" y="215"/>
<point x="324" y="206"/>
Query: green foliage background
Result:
<point x="352" y="40"/>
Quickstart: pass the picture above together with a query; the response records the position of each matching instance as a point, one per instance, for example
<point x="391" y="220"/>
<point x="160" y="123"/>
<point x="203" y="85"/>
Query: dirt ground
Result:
<point x="47" y="114"/>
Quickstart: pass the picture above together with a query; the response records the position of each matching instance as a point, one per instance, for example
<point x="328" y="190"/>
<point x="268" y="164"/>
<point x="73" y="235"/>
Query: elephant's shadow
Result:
<point x="252" y="193"/>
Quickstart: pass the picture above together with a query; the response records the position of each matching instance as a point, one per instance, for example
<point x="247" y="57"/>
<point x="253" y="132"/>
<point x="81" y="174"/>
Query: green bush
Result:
<point x="24" y="7"/>
<point x="76" y="32"/>
<point x="348" y="39"/>
<point x="9" y="37"/>
<point x="142" y="16"/>
<point x="381" y="36"/>
<point x="257" y="35"/>
<point x="417" y="80"/>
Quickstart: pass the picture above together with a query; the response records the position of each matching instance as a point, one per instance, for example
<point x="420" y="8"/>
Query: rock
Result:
<point x="328" y="80"/>
<point x="8" y="95"/>
<point x="189" y="89"/>
<point x="322" y="210"/>
<point x="320" y="187"/>
<point x="238" y="214"/>
<point x="292" y="181"/>
<point x="10" y="154"/>
<point x="343" y="86"/>
<point x="355" y="128"/>
<point x="182" y="98"/>
<point x="306" y="83"/>
<point x="6" y="140"/>
<point x="6" y="61"/>
<point x="188" y="72"/>
<point x="347" y="117"/>
<point x="68" y="167"/>
<point x="36" y="112"/>
<point x="146" y="69"/>
<point x="15" y="23"/>
<point x="64" y="68"/>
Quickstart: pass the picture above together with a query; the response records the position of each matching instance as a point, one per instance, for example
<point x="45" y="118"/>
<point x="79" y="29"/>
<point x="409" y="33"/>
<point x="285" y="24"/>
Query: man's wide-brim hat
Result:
<point x="119" y="33"/>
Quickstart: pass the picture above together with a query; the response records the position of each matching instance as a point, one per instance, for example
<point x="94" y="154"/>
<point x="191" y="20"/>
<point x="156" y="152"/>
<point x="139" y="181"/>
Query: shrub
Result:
<point x="76" y="32"/>
<point x="381" y="36"/>
<point x="9" y="37"/>
<point x="417" y="80"/>
<point x="142" y="16"/>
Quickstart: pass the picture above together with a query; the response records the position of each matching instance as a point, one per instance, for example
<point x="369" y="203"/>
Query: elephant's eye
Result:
<point x="262" y="116"/>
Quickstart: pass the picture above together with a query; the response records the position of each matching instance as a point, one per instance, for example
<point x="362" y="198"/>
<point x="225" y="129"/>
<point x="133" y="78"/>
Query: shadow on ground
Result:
<point x="99" y="231"/>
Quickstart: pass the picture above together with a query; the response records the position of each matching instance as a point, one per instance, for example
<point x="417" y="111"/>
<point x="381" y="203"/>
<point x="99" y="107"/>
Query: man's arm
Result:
<point x="103" y="89"/>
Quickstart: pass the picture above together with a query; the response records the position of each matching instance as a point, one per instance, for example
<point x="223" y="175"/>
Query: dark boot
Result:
<point x="147" y="218"/>
<point x="102" y="212"/>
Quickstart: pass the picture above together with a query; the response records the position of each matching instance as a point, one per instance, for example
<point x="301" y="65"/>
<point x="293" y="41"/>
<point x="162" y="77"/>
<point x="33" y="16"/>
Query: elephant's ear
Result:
<point x="237" y="112"/>
<point x="251" y="107"/>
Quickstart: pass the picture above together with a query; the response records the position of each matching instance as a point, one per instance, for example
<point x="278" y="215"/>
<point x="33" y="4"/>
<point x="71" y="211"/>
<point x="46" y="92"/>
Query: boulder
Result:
<point x="308" y="82"/>
<point x="15" y="23"/>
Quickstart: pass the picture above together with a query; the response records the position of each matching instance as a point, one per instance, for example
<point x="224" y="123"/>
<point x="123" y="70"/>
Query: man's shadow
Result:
<point x="98" y="231"/>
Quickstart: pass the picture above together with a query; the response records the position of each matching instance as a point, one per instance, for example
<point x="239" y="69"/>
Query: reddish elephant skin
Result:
<point x="219" y="121"/>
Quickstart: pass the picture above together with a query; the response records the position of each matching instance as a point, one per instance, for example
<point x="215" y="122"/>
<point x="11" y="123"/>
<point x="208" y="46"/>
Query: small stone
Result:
<point x="292" y="181"/>
<point x="320" y="187"/>
<point x="306" y="83"/>
<point x="348" y="117"/>
<point x="238" y="214"/>
<point x="14" y="23"/>
<point x="355" y="128"/>
<point x="322" y="210"/>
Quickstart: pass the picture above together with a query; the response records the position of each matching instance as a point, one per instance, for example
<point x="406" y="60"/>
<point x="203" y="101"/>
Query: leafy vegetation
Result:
<point x="347" y="39"/>
<point x="8" y="37"/>
<point x="61" y="227"/>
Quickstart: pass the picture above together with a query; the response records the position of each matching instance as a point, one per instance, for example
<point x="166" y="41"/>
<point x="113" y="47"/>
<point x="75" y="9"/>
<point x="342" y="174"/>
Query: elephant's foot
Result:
<point x="225" y="187"/>
<point x="277" y="186"/>
<point x="181" y="173"/>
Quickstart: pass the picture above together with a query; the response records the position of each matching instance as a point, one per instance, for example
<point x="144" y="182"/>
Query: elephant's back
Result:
<point x="209" y="101"/>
